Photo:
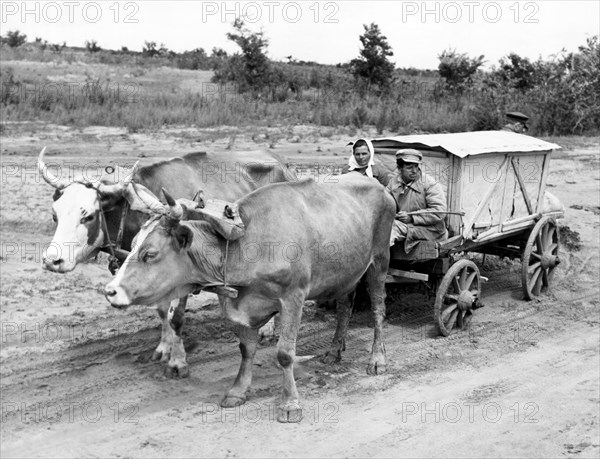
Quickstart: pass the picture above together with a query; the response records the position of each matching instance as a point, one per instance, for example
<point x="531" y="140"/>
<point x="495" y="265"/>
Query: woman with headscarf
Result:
<point x="362" y="161"/>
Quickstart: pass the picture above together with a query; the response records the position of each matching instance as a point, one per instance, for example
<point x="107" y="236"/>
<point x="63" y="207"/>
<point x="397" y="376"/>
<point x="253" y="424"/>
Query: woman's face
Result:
<point x="362" y="155"/>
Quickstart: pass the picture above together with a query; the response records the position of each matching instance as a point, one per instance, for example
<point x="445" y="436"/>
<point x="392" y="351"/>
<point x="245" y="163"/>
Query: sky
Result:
<point x="326" y="31"/>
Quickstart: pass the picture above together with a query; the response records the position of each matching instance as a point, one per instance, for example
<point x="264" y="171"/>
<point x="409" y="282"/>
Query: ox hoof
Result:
<point x="376" y="368"/>
<point x="289" y="412"/>
<point x="331" y="357"/>
<point x="230" y="401"/>
<point x="163" y="356"/>
<point x="177" y="371"/>
<point x="156" y="355"/>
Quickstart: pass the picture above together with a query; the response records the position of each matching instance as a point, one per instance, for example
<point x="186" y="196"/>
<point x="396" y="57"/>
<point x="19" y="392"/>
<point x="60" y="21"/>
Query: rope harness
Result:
<point x="225" y="264"/>
<point x="113" y="259"/>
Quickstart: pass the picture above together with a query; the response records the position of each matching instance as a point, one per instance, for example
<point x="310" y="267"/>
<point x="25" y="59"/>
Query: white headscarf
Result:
<point x="354" y="165"/>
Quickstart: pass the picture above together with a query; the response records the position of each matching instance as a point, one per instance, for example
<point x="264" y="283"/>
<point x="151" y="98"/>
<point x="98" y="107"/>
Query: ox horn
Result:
<point x="119" y="187"/>
<point x="52" y="180"/>
<point x="175" y="211"/>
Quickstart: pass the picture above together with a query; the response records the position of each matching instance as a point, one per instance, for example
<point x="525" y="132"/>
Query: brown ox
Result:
<point x="89" y="213"/>
<point x="317" y="241"/>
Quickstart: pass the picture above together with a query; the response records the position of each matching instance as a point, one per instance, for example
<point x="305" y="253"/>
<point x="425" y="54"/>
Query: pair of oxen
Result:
<point x="266" y="243"/>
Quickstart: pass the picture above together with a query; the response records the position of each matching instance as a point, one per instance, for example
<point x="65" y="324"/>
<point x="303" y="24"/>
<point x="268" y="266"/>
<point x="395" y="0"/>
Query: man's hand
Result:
<point x="404" y="217"/>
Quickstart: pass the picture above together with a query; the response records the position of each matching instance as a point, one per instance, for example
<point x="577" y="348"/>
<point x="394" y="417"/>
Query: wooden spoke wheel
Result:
<point x="457" y="296"/>
<point x="540" y="257"/>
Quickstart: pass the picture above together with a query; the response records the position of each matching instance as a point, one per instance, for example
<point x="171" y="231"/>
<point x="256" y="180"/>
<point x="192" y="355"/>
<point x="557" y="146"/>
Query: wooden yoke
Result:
<point x="223" y="216"/>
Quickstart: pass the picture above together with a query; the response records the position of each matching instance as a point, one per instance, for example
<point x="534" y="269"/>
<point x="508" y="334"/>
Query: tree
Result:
<point x="517" y="71"/>
<point x="566" y="96"/>
<point x="149" y="49"/>
<point x="372" y="68"/>
<point x="458" y="69"/>
<point x="251" y="69"/>
<point x="14" y="38"/>
<point x="92" y="46"/>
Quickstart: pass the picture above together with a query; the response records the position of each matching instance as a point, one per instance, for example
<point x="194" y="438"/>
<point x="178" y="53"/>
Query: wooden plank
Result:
<point x="506" y="232"/>
<point x="468" y="231"/>
<point x="483" y="234"/>
<point x="509" y="226"/>
<point x="501" y="217"/>
<point x="408" y="274"/>
<point x="454" y="195"/>
<point x="440" y="266"/>
<point x="555" y="214"/>
<point x="542" y="190"/>
<point x="510" y="223"/>
<point x="474" y="246"/>
<point x="522" y="186"/>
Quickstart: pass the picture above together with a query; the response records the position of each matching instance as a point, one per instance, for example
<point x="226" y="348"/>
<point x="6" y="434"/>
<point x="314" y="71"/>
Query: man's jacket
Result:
<point x="424" y="193"/>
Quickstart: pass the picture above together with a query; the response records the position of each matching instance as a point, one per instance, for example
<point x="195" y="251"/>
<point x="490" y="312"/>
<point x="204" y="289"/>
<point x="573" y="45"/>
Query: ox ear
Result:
<point x="182" y="236"/>
<point x="57" y="194"/>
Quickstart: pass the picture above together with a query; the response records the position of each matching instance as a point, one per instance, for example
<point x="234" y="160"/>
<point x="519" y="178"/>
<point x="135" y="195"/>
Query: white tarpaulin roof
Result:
<point x="463" y="144"/>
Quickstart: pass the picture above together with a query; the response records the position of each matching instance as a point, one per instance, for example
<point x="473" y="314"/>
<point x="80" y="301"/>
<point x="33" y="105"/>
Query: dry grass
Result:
<point x="75" y="88"/>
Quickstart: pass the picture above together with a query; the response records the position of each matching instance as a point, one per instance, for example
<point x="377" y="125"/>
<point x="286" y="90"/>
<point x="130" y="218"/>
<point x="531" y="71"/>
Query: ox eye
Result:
<point x="87" y="219"/>
<point x="54" y="218"/>
<point x="148" y="256"/>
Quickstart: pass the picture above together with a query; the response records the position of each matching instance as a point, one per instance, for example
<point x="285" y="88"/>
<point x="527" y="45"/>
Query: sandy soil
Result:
<point x="76" y="379"/>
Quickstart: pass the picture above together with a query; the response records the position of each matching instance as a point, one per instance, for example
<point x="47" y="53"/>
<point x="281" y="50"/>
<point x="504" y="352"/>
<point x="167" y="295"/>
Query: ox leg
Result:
<point x="163" y="350"/>
<point x="376" y="279"/>
<point x="248" y="343"/>
<point x="177" y="365"/>
<point x="291" y="312"/>
<point x="344" y="312"/>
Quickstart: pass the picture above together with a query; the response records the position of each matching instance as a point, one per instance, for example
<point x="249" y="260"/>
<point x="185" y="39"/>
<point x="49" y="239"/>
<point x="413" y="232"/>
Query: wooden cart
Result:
<point x="497" y="180"/>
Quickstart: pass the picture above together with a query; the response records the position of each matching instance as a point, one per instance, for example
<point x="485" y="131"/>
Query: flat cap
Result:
<point x="517" y="116"/>
<point x="409" y="155"/>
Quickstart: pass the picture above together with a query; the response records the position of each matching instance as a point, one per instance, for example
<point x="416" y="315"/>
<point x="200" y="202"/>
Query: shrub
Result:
<point x="250" y="70"/>
<point x="457" y="69"/>
<point x="92" y="46"/>
<point x="14" y="38"/>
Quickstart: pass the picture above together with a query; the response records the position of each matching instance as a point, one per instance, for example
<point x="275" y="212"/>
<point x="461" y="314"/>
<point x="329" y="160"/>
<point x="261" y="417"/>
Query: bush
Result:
<point x="14" y="38"/>
<point x="196" y="59"/>
<point x="458" y="70"/>
<point x="518" y="72"/>
<point x="250" y="70"/>
<point x="92" y="46"/>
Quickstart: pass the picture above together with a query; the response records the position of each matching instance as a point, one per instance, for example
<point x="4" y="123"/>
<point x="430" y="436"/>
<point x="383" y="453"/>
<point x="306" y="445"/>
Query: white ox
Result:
<point x="336" y="233"/>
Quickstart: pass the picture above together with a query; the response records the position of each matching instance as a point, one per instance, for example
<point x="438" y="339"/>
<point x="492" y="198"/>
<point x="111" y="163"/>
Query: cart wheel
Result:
<point x="458" y="294"/>
<point x="540" y="257"/>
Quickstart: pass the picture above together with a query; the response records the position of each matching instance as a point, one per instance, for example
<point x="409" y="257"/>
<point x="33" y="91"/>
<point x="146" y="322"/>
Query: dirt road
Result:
<point x="76" y="379"/>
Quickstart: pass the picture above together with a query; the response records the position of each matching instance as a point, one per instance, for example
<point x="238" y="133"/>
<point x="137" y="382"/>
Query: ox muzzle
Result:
<point x="117" y="296"/>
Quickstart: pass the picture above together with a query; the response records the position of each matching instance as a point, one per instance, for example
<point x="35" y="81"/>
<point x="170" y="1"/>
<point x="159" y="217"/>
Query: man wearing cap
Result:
<point x="517" y="122"/>
<point x="413" y="191"/>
